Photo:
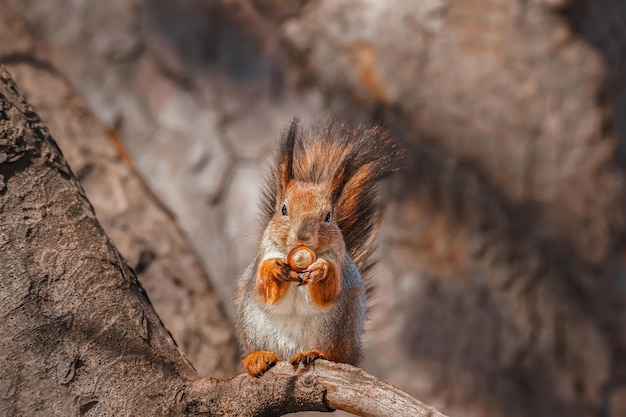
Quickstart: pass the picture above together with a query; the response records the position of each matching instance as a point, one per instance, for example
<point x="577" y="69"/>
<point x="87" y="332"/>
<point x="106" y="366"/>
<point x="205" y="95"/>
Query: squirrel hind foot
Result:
<point x="306" y="357"/>
<point x="259" y="362"/>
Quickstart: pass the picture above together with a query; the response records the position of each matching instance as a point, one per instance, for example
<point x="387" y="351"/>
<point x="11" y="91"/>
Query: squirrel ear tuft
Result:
<point x="285" y="175"/>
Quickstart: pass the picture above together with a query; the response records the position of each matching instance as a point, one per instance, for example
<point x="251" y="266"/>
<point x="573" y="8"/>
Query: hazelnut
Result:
<point x="300" y="258"/>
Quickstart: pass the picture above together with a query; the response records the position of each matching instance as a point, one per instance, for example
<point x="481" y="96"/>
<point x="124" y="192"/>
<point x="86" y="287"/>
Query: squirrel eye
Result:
<point x="284" y="210"/>
<point x="328" y="216"/>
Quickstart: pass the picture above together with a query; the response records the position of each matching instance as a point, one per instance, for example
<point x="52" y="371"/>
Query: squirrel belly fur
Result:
<point x="322" y="194"/>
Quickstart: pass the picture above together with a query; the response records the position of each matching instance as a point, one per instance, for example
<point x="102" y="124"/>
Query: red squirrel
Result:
<point x="323" y="195"/>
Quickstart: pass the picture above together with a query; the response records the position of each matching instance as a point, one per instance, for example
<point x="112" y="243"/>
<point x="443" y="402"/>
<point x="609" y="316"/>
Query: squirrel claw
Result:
<point x="302" y="281"/>
<point x="306" y="357"/>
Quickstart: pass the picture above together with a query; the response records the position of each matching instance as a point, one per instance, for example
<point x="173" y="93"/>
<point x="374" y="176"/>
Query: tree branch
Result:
<point x="322" y="386"/>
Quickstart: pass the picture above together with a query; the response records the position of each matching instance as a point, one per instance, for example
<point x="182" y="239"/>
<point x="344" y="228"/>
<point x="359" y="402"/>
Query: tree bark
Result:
<point x="79" y="335"/>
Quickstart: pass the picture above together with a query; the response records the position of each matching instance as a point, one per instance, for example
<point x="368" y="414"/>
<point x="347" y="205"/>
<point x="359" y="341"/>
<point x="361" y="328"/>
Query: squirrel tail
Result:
<point x="351" y="162"/>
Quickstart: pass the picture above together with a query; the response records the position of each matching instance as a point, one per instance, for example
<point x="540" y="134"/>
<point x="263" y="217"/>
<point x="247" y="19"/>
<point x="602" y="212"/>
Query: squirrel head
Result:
<point x="304" y="216"/>
<point x="303" y="209"/>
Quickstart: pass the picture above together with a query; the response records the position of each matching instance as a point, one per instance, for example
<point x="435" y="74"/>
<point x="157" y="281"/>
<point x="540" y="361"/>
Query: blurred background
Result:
<point x="501" y="286"/>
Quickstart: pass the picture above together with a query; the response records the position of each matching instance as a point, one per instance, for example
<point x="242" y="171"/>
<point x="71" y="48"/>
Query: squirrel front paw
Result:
<point x="273" y="279"/>
<point x="257" y="363"/>
<point x="323" y="280"/>
<point x="277" y="269"/>
<point x="317" y="272"/>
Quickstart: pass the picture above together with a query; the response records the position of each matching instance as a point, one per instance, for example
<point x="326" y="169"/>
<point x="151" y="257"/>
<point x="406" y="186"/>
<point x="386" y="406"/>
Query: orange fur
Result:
<point x="324" y="282"/>
<point x="273" y="280"/>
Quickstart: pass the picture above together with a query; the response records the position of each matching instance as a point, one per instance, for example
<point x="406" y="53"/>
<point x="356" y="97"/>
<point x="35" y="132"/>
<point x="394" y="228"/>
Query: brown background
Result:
<point x="501" y="288"/>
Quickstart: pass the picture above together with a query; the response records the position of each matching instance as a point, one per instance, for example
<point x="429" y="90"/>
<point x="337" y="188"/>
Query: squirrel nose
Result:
<point x="304" y="236"/>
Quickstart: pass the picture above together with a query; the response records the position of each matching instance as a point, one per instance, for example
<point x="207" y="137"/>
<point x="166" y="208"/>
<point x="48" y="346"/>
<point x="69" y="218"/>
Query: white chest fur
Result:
<point x="294" y="324"/>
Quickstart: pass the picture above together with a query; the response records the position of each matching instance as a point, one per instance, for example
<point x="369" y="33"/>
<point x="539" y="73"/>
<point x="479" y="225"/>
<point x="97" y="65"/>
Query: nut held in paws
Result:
<point x="300" y="258"/>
